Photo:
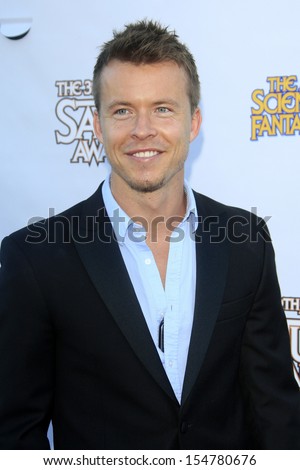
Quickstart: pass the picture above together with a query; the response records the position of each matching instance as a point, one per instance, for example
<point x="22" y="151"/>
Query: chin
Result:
<point x="146" y="186"/>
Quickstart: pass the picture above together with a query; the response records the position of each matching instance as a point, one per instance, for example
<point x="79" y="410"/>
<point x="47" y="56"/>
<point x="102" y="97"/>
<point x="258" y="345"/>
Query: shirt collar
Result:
<point x="191" y="208"/>
<point x="121" y="221"/>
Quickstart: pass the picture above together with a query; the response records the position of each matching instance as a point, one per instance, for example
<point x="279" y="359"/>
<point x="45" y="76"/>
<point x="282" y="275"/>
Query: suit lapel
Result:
<point x="212" y="256"/>
<point x="104" y="263"/>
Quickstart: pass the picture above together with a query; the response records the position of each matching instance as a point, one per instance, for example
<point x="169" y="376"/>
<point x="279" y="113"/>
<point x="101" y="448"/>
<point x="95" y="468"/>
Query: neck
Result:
<point x="160" y="205"/>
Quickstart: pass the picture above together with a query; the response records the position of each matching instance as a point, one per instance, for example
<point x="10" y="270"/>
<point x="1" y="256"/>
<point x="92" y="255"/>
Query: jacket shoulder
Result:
<point x="237" y="224"/>
<point x="209" y="206"/>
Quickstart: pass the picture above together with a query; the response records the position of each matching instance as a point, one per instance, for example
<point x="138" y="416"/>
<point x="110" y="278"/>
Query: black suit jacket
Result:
<point x="75" y="348"/>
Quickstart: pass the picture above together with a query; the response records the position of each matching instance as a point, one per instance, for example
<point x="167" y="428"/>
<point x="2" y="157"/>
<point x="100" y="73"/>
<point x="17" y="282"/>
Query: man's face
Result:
<point x="145" y="124"/>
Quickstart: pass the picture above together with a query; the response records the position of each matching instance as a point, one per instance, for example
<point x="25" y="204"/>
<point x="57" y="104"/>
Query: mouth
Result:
<point x="144" y="154"/>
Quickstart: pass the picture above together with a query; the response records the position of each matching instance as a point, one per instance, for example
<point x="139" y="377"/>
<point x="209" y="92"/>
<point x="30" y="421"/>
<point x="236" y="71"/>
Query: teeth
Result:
<point x="147" y="154"/>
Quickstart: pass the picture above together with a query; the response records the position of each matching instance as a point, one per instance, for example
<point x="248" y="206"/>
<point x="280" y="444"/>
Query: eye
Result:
<point x="121" y="112"/>
<point x="162" y="109"/>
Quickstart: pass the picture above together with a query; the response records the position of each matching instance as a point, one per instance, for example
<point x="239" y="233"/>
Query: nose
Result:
<point x="143" y="126"/>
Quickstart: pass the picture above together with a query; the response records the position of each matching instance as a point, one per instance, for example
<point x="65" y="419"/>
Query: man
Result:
<point x="147" y="316"/>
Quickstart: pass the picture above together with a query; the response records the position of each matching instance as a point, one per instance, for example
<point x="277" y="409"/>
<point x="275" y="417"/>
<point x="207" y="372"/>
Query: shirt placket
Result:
<point x="172" y="316"/>
<point x="155" y="293"/>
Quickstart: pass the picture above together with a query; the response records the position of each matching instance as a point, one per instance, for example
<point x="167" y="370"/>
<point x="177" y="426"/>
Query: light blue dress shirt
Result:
<point x="175" y="303"/>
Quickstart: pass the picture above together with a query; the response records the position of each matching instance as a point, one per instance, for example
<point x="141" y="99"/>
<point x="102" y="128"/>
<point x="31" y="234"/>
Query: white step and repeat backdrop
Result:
<point x="248" y="153"/>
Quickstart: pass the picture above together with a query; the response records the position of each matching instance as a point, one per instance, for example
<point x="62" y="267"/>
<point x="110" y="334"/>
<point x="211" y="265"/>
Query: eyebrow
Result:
<point x="115" y="103"/>
<point x="167" y="101"/>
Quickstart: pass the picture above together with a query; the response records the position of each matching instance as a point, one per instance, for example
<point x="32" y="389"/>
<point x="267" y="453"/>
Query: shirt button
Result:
<point x="148" y="261"/>
<point x="170" y="363"/>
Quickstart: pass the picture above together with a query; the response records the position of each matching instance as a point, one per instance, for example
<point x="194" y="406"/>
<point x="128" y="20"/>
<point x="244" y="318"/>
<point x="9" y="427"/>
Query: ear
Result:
<point x="97" y="127"/>
<point x="195" y="124"/>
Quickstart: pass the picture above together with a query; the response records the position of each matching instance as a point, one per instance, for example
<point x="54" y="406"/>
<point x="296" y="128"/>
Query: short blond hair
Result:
<point x="147" y="42"/>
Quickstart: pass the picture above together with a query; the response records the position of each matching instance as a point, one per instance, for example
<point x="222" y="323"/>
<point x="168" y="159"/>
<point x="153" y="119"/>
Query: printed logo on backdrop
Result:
<point x="15" y="28"/>
<point x="291" y="306"/>
<point x="276" y="110"/>
<point x="74" y="110"/>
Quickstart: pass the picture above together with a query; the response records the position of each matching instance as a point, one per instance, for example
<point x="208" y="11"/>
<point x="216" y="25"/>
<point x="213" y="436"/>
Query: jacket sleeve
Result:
<point x="26" y="354"/>
<point x="266" y="366"/>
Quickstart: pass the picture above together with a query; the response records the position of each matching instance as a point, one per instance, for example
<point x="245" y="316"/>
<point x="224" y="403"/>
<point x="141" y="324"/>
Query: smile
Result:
<point x="146" y="154"/>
